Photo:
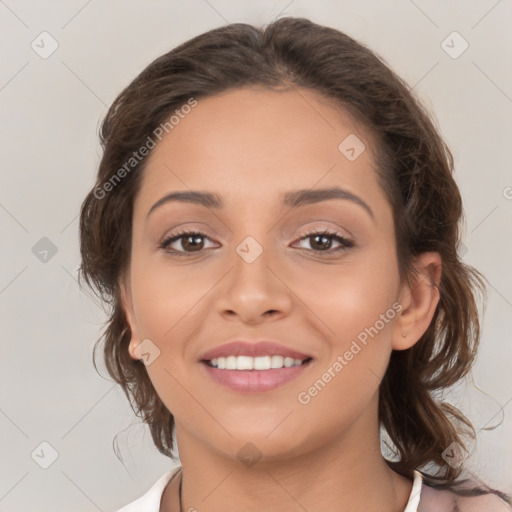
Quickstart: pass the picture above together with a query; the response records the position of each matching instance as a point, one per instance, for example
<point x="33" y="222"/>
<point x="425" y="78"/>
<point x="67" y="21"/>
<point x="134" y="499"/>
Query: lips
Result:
<point x="254" y="380"/>
<point x="257" y="349"/>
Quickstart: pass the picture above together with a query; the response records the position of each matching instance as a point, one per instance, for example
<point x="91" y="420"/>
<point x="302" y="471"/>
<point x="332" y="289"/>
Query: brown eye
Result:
<point x="322" y="241"/>
<point x="191" y="242"/>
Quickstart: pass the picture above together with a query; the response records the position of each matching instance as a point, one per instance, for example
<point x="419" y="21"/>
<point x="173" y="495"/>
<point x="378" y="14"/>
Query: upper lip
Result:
<point x="252" y="349"/>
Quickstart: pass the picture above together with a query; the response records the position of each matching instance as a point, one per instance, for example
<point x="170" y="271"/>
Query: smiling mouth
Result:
<point x="260" y="363"/>
<point x="246" y="374"/>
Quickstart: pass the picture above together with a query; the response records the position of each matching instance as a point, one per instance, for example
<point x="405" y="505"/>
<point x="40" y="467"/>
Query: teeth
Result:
<point x="254" y="363"/>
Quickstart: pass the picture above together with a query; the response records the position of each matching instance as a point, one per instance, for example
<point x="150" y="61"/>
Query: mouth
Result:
<point x="260" y="363"/>
<point x="250" y="375"/>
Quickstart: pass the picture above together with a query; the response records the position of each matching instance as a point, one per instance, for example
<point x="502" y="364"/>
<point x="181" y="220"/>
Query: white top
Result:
<point x="150" y="502"/>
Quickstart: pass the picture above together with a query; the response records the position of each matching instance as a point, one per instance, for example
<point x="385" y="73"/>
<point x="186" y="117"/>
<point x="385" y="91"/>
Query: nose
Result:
<point x="255" y="289"/>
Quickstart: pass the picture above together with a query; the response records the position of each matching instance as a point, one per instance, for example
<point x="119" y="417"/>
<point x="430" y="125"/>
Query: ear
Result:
<point x="127" y="304"/>
<point x="419" y="300"/>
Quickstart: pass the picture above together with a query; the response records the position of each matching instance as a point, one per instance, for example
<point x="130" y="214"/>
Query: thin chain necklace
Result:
<point x="179" y="491"/>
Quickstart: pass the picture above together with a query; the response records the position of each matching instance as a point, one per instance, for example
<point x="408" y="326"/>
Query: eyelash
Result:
<point x="345" y="243"/>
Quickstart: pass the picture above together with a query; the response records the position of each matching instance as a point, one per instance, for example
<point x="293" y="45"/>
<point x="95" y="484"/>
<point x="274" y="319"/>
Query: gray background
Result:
<point x="51" y="110"/>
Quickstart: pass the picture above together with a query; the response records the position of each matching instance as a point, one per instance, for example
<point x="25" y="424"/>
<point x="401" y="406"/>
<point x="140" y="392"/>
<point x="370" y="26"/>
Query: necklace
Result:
<point x="179" y="489"/>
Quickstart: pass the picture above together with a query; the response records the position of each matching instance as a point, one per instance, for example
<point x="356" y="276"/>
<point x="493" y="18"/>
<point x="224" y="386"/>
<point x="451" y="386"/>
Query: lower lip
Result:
<point x="255" y="381"/>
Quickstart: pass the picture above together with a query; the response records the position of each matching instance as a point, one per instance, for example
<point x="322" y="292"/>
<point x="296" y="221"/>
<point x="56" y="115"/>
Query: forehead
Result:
<point x="259" y="143"/>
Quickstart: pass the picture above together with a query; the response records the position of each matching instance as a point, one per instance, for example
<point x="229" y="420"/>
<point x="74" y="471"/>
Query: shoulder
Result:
<point x="150" y="500"/>
<point x="449" y="500"/>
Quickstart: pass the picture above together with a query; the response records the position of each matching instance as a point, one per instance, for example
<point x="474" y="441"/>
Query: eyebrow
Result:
<point x="292" y="199"/>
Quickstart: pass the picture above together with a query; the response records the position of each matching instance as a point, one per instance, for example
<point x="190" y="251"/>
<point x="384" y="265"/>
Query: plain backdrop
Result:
<point x="55" y="410"/>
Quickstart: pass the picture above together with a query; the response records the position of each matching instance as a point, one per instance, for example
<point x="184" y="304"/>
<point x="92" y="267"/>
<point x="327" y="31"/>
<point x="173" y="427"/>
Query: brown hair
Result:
<point x="415" y="169"/>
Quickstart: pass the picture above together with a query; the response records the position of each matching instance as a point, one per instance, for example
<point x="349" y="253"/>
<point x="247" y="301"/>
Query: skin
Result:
<point x="250" y="146"/>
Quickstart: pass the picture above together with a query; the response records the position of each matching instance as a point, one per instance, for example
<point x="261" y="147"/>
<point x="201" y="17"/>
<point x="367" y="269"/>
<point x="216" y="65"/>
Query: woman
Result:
<point x="275" y="225"/>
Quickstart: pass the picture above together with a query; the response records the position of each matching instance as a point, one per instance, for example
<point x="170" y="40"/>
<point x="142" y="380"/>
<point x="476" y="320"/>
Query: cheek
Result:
<point x="356" y="303"/>
<point x="359" y="306"/>
<point x="359" y="346"/>
<point x="168" y="304"/>
<point x="167" y="301"/>
<point x="351" y="296"/>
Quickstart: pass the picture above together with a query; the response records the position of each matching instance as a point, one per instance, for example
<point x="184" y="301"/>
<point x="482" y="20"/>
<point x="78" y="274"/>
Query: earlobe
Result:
<point x="419" y="301"/>
<point x="127" y="305"/>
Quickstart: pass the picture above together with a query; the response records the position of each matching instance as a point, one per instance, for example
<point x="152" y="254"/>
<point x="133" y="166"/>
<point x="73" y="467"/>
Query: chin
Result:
<point x="263" y="445"/>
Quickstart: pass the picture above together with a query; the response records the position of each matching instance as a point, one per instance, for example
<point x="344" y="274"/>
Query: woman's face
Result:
<point x="256" y="271"/>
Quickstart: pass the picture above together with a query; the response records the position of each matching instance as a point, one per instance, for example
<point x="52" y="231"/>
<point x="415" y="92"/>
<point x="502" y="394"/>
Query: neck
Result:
<point x="344" y="473"/>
